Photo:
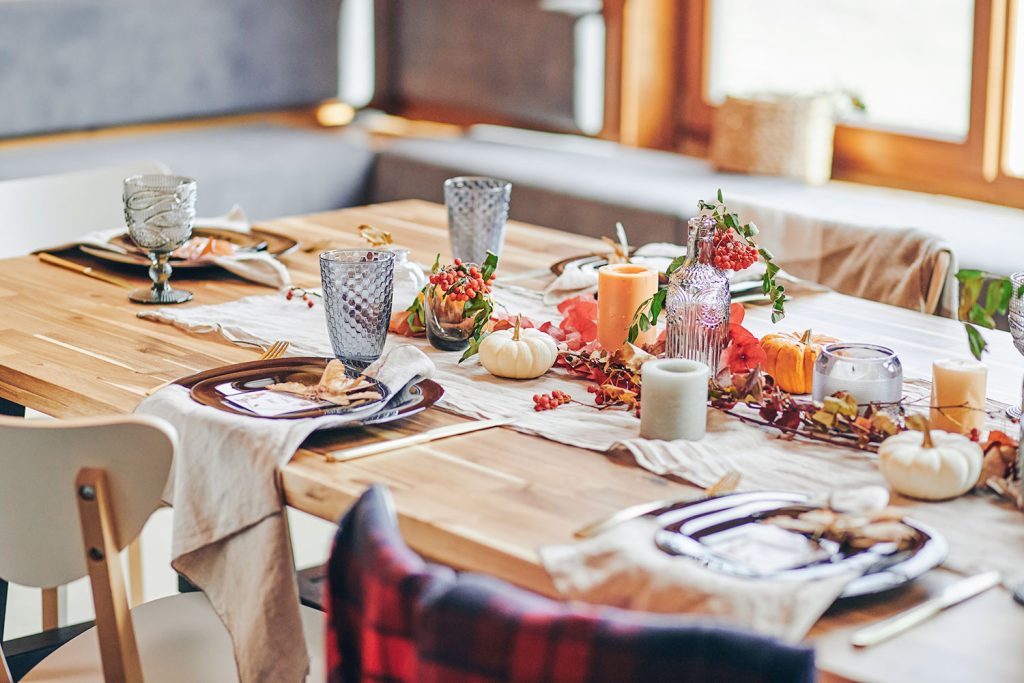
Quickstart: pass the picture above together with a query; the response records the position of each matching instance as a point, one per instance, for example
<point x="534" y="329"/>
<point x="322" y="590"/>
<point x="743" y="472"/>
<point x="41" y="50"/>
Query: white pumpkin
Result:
<point x="930" y="465"/>
<point x="518" y="353"/>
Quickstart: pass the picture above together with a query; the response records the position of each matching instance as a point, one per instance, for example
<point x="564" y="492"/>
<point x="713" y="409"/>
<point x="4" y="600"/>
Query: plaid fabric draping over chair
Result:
<point x="394" y="618"/>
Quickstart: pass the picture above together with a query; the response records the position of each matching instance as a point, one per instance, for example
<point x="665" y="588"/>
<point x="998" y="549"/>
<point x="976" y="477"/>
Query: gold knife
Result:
<point x="84" y="270"/>
<point x="415" y="440"/>
<point x="952" y="595"/>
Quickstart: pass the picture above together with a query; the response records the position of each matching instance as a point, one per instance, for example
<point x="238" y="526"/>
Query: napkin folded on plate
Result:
<point x="255" y="266"/>
<point x="624" y="568"/>
<point x="230" y="537"/>
<point x="577" y="280"/>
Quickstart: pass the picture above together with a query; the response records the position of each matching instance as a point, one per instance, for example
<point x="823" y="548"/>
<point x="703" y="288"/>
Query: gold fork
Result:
<point x="275" y="350"/>
<point x="726" y="484"/>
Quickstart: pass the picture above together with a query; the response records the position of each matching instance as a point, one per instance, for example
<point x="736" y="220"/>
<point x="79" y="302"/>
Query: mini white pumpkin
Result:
<point x="518" y="353"/>
<point x="930" y="465"/>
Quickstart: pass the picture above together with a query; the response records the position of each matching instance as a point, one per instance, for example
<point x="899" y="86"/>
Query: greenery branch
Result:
<point x="981" y="302"/>
<point x="647" y="314"/>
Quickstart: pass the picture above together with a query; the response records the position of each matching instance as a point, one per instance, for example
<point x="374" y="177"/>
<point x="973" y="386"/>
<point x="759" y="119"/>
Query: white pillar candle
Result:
<point x="674" y="395"/>
<point x="958" y="382"/>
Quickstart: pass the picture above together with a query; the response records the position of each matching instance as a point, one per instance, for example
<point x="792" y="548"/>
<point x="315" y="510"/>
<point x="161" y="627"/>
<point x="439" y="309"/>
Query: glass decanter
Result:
<point x="697" y="303"/>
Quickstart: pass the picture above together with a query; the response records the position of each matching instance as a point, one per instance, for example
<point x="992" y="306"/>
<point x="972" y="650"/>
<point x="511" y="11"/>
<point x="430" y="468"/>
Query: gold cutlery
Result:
<point x="84" y="270"/>
<point x="952" y="595"/>
<point x="415" y="439"/>
<point x="728" y="483"/>
<point x="275" y="350"/>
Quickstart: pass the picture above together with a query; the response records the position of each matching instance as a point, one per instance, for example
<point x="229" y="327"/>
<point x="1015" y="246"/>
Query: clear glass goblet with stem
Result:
<point x="159" y="211"/>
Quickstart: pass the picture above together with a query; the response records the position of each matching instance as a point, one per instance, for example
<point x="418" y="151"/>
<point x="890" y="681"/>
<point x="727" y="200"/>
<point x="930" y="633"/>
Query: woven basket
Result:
<point x="786" y="136"/>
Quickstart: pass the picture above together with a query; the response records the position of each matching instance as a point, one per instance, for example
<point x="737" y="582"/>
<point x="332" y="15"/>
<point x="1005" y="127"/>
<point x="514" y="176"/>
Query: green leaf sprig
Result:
<point x="974" y="313"/>
<point x="650" y="310"/>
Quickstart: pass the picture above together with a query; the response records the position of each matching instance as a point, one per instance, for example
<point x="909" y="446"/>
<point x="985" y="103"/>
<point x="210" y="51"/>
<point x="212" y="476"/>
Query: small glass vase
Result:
<point x="697" y="303"/>
<point x="448" y="329"/>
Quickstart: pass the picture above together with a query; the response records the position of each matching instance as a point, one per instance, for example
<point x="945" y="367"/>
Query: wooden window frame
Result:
<point x="972" y="168"/>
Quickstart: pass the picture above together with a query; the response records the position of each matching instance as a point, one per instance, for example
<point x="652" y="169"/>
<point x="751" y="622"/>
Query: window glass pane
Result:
<point x="909" y="60"/>
<point x="1015" y="121"/>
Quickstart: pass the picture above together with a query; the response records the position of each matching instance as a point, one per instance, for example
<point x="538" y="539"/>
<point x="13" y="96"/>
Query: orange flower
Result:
<point x="744" y="354"/>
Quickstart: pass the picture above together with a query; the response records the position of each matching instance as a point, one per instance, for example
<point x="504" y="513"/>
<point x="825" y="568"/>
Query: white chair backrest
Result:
<point x="40" y="529"/>
<point x="48" y="211"/>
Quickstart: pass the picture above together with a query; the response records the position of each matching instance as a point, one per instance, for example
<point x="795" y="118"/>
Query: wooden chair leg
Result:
<point x="136" y="594"/>
<point x="5" y="673"/>
<point x="51" y="609"/>
<point x="118" y="649"/>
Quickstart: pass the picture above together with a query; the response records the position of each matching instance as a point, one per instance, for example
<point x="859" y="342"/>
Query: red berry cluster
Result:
<point x="461" y="282"/>
<point x="292" y="291"/>
<point x="550" y="401"/>
<point x="731" y="253"/>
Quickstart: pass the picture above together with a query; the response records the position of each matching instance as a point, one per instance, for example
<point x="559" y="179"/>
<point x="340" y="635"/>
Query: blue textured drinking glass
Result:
<point x="477" y="213"/>
<point x="357" y="286"/>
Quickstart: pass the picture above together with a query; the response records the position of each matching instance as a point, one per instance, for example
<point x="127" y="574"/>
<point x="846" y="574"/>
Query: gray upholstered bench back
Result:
<point x="73" y="64"/>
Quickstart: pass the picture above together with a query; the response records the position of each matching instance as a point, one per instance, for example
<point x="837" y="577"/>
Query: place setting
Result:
<point x="163" y="234"/>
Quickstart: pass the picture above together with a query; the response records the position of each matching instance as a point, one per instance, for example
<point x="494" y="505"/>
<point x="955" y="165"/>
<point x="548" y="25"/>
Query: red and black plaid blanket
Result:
<point x="394" y="618"/>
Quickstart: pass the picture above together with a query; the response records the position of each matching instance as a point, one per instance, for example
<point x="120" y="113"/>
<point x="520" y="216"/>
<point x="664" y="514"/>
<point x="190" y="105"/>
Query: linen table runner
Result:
<point x="981" y="532"/>
<point x="230" y="536"/>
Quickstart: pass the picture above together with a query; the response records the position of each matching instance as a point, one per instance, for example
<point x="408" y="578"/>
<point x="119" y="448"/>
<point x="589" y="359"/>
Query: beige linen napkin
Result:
<point x="230" y="538"/>
<point x="624" y="568"/>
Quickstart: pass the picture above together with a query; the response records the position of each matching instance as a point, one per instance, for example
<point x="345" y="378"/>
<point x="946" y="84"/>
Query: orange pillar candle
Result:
<point x="958" y="383"/>
<point x="621" y="288"/>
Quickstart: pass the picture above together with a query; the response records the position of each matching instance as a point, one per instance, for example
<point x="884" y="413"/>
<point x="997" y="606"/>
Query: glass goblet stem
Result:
<point x="160" y="270"/>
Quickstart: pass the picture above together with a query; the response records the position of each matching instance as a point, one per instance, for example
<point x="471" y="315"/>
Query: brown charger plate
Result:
<point x="684" y="528"/>
<point x="255" y="240"/>
<point x="253" y="374"/>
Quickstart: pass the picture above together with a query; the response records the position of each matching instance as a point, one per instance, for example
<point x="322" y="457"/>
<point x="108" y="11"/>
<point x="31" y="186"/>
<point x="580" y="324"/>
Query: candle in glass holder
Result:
<point x="958" y="395"/>
<point x="621" y="288"/>
<point x="868" y="372"/>
<point x="675" y="399"/>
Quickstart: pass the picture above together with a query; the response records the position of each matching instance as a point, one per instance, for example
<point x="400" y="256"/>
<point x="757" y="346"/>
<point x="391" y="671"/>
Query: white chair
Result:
<point x="46" y="211"/>
<point x="75" y="493"/>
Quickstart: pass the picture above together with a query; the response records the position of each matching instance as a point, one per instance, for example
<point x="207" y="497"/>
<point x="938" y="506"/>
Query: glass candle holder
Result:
<point x="357" y="286"/>
<point x="868" y="372"/>
<point x="448" y="328"/>
<point x="477" y="213"/>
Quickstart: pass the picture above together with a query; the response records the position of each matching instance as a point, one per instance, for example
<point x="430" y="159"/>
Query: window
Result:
<point x="908" y="60"/>
<point x="1015" y="98"/>
<point x="943" y="81"/>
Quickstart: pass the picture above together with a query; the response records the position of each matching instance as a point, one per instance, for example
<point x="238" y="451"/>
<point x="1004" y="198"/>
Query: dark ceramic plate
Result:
<point x="687" y="529"/>
<point x="255" y="375"/>
<point x="256" y="240"/>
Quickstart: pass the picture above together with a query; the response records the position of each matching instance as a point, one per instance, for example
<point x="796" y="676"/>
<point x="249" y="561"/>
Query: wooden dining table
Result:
<point x="71" y="346"/>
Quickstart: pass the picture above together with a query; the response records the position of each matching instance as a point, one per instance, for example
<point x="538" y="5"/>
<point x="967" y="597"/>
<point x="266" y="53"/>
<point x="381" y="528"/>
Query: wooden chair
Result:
<point x="75" y="493"/>
<point x="47" y="211"/>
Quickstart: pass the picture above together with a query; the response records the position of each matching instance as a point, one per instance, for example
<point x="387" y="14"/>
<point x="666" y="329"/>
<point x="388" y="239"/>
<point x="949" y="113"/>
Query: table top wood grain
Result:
<point x="71" y="345"/>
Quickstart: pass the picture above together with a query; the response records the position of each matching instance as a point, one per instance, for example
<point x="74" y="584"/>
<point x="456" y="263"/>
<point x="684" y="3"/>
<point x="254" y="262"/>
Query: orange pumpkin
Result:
<point x="790" y="359"/>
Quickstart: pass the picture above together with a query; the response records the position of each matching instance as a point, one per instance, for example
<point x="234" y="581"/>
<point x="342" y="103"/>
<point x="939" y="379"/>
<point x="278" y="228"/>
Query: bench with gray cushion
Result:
<point x="585" y="186"/>
<point x="69" y="65"/>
